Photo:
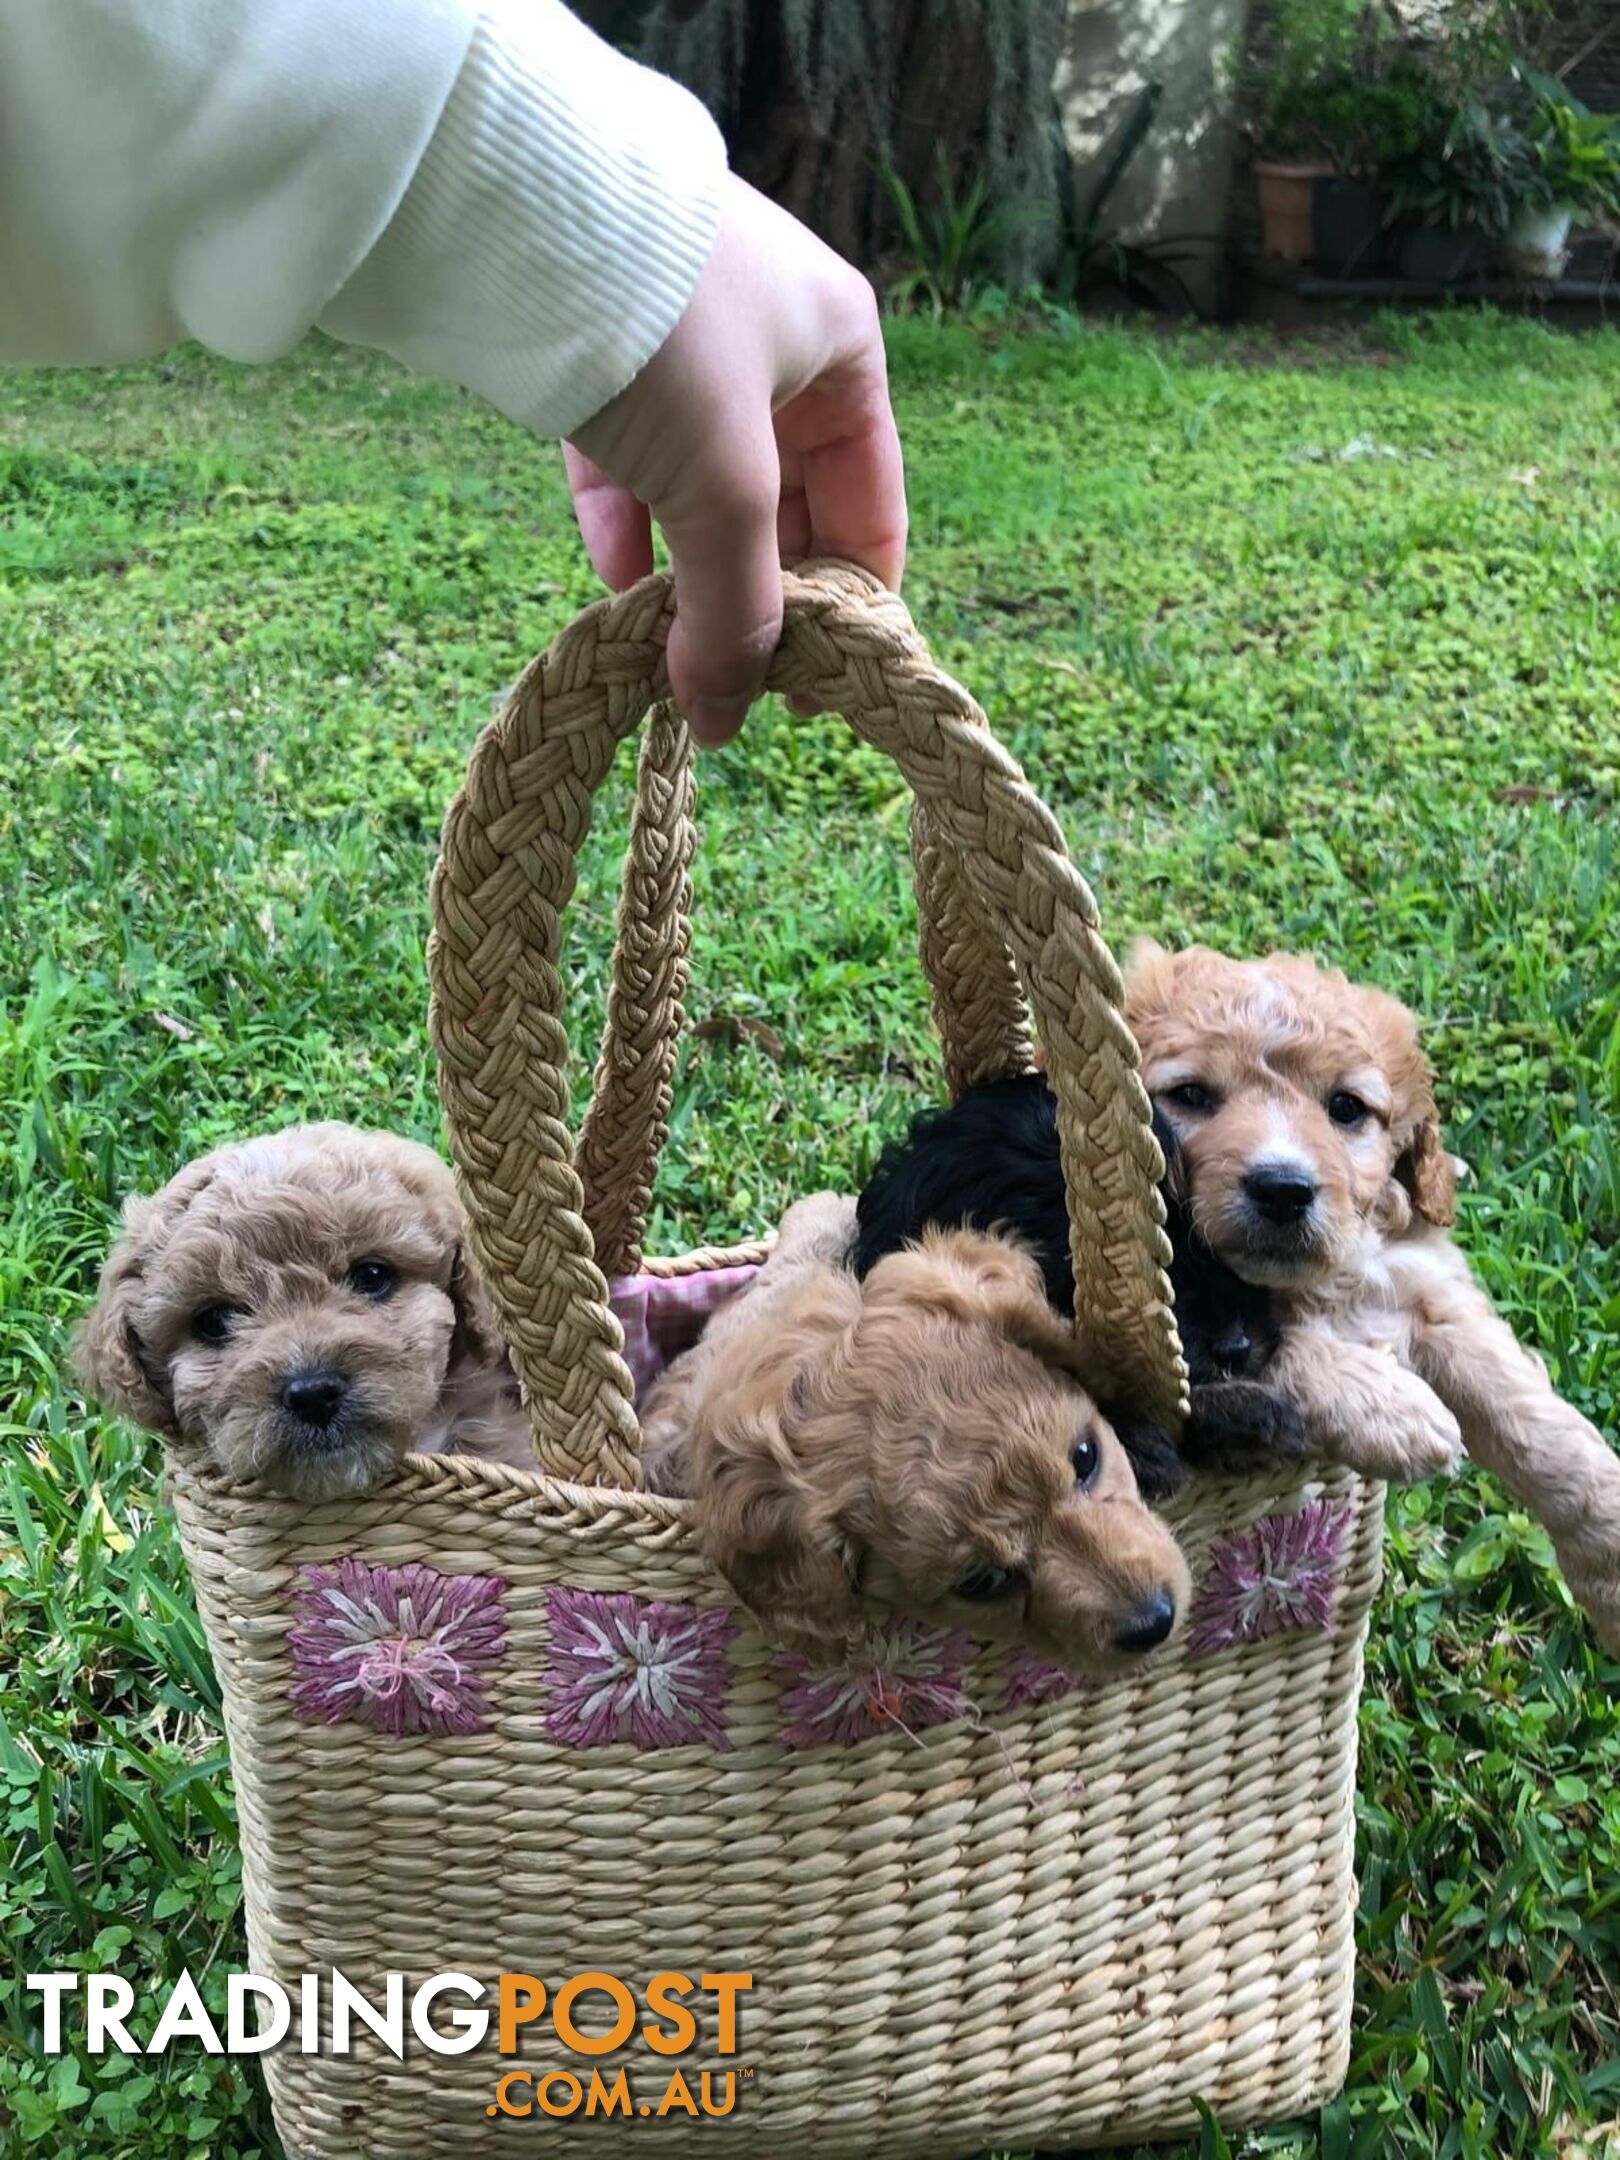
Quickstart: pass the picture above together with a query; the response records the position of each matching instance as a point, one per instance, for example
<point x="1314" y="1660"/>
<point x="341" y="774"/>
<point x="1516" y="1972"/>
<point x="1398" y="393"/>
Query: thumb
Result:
<point x="721" y="533"/>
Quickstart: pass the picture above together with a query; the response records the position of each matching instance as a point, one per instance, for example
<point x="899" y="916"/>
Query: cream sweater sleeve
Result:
<point x="486" y="191"/>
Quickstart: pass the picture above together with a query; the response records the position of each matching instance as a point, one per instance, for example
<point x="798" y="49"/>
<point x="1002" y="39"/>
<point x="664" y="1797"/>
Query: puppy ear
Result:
<point x="779" y="1531"/>
<point x="1429" y="1173"/>
<point x="109" y="1359"/>
<point x="476" y="1341"/>
<point x="771" y="1537"/>
<point x="1423" y="1168"/>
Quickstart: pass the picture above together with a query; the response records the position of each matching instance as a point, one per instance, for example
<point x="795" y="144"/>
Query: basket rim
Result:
<point x="417" y="1475"/>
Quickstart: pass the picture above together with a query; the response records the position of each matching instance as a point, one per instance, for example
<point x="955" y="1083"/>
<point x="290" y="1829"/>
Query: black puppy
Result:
<point x="991" y="1162"/>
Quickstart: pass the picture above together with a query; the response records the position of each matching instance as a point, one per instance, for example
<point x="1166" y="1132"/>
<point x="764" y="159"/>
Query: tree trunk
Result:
<point x="830" y="173"/>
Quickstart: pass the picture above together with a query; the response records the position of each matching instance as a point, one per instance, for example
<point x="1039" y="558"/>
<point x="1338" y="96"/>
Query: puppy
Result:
<point x="919" y="1441"/>
<point x="306" y="1307"/>
<point x="991" y="1162"/>
<point x="1305" y="1114"/>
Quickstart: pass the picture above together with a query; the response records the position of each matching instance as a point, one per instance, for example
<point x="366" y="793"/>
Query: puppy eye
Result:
<point x="1087" y="1460"/>
<point x="986" y="1585"/>
<point x="372" y="1279"/>
<point x="1191" y="1095"/>
<point x="1344" y="1108"/>
<point x="213" y="1324"/>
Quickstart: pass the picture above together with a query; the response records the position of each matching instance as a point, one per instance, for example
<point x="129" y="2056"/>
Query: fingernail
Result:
<point x="716" y="719"/>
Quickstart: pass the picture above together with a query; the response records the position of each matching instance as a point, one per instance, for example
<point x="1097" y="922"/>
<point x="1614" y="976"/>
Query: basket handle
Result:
<point x="1002" y="905"/>
<point x="978" y="1005"/>
<point x="623" y="1135"/>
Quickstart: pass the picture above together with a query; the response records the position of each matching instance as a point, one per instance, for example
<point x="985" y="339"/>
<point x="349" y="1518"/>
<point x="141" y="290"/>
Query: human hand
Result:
<point x="760" y="429"/>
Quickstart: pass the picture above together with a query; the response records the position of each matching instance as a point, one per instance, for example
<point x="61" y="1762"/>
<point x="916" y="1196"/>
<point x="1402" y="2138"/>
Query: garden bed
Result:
<point x="1281" y="293"/>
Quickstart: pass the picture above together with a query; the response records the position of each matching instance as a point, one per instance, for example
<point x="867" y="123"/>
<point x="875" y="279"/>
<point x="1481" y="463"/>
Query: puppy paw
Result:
<point x="1236" y="1428"/>
<point x="1393" y="1425"/>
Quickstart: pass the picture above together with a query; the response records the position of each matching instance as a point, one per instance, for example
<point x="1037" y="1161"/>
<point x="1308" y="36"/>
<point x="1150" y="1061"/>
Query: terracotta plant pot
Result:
<point x="1286" y="194"/>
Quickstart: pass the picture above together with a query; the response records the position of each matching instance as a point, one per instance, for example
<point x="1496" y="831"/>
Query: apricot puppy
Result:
<point x="1305" y="1112"/>
<point x="921" y="1441"/>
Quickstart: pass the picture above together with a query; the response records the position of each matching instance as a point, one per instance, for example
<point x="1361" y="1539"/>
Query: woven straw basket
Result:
<point x="1040" y="1913"/>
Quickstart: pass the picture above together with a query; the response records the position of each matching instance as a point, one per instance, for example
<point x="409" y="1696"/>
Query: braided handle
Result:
<point x="1002" y="904"/>
<point x="624" y="1131"/>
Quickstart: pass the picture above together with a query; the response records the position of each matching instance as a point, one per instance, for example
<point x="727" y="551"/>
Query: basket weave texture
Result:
<point x="980" y="1905"/>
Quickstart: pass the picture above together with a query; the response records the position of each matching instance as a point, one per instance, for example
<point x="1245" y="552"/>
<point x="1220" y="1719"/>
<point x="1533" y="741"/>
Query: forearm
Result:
<point x="210" y="169"/>
<point x="555" y="229"/>
<point x="488" y="193"/>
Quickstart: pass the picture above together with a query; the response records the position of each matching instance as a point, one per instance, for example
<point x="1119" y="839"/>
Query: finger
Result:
<point x="615" y="527"/>
<point x="841" y="445"/>
<point x="855" y="490"/>
<point x="721" y="536"/>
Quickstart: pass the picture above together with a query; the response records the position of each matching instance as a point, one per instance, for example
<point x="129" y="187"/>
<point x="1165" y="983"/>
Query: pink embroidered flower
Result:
<point x="637" y="1669"/>
<point x="403" y="1649"/>
<point x="1031" y="1680"/>
<point x="913" y="1679"/>
<point x="1279" y="1574"/>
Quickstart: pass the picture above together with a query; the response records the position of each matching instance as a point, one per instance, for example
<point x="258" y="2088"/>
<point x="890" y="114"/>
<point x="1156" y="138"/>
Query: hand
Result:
<point x="760" y="429"/>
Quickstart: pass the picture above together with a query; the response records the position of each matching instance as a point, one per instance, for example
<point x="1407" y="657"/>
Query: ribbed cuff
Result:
<point x="554" y="230"/>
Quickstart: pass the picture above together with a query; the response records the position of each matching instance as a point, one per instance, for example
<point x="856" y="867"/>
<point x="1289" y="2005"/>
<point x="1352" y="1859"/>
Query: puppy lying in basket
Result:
<point x="1304" y="1112"/>
<point x="920" y="1440"/>
<point x="305" y="1306"/>
<point x="991" y="1162"/>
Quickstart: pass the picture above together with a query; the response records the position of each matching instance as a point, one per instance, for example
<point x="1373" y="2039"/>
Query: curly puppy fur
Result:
<point x="1305" y="1113"/>
<point x="305" y="1306"/>
<point x="920" y="1441"/>
<point x="991" y="1162"/>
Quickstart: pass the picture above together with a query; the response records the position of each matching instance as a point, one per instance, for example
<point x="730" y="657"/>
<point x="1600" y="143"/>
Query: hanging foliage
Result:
<point x="822" y="101"/>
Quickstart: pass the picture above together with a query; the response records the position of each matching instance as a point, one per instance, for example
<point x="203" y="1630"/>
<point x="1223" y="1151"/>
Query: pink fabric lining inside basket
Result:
<point x="662" y="1315"/>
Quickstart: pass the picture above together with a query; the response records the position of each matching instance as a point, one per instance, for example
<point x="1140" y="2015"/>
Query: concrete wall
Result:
<point x="1179" y="183"/>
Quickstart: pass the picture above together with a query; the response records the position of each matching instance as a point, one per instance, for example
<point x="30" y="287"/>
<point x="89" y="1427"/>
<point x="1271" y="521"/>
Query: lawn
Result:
<point x="1315" y="650"/>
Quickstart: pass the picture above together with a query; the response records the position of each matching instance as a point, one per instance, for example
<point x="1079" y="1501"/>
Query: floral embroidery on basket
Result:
<point x="638" y="1669"/>
<point x="1033" y="1680"/>
<point x="1279" y="1574"/>
<point x="912" y="1680"/>
<point x="404" y="1649"/>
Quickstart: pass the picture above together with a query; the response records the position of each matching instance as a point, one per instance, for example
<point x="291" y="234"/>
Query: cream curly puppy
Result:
<point x="1305" y="1113"/>
<point x="305" y="1306"/>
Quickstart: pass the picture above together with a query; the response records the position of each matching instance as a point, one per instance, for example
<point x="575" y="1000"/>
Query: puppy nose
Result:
<point x="1280" y="1191"/>
<point x="315" y="1394"/>
<point x="1149" y="1624"/>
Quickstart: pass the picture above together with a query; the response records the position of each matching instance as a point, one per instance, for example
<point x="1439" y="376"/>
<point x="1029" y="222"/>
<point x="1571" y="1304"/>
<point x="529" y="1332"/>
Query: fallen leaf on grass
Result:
<point x="735" y="1029"/>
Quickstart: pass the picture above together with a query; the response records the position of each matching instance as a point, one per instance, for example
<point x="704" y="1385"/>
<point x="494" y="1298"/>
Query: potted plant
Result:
<point x="1575" y="160"/>
<point x="1300" y="87"/>
<point x="1375" y="119"/>
<point x="1454" y="189"/>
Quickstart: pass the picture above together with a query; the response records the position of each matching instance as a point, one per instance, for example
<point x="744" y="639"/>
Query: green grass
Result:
<point x="249" y="626"/>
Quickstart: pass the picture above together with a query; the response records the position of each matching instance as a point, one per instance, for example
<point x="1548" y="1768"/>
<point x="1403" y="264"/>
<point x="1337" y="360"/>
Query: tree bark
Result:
<point x="830" y="175"/>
